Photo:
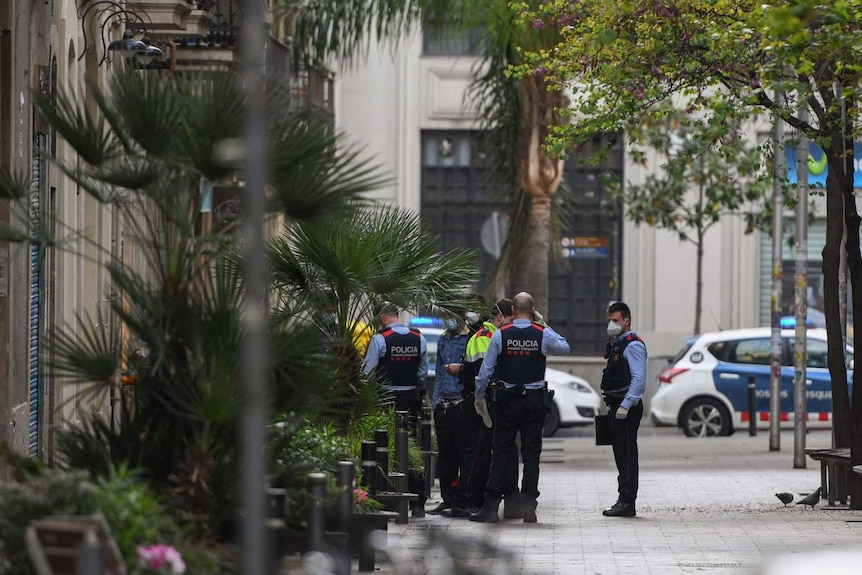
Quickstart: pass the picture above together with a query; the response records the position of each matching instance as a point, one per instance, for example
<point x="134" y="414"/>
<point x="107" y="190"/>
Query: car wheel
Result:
<point x="705" y="418"/>
<point x="552" y="421"/>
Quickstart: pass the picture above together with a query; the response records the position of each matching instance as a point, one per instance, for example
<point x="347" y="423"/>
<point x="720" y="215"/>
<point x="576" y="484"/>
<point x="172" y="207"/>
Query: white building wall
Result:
<point x="385" y="103"/>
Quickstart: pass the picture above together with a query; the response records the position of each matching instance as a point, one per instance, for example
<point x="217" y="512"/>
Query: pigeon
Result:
<point x="785" y="497"/>
<point x="810" y="499"/>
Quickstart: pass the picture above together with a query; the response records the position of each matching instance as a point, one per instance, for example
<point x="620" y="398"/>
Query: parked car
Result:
<point x="575" y="401"/>
<point x="704" y="390"/>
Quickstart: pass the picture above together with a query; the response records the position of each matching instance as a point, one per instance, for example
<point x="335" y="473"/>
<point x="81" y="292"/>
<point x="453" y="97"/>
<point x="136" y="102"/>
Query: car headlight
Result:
<point x="579" y="387"/>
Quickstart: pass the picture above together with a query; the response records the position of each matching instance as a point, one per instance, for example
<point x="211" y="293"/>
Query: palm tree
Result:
<point x="517" y="114"/>
<point x="144" y="148"/>
<point x="347" y="268"/>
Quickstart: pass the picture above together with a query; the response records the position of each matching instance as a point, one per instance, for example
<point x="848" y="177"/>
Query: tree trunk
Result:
<point x="540" y="175"/>
<point x="854" y="264"/>
<point x="831" y="256"/>
<point x="532" y="274"/>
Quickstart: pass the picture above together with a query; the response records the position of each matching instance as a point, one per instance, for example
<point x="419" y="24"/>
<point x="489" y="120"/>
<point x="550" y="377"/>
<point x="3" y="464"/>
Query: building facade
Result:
<point x="411" y="108"/>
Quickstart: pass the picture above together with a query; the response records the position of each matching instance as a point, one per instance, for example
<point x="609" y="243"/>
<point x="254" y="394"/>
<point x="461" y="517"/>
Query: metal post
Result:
<point x="344" y="515"/>
<point x="800" y="375"/>
<point x="752" y="407"/>
<point x="777" y="234"/>
<point x="425" y="438"/>
<point x="253" y="312"/>
<point x="316" y="511"/>
<point x="401" y="462"/>
<point x="381" y="437"/>
<point x="344" y="507"/>
<point x="369" y="466"/>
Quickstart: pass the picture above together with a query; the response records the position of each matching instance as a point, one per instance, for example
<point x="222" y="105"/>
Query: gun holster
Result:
<point x="548" y="398"/>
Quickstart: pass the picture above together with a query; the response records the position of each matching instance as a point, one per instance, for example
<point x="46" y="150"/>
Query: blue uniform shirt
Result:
<point x="636" y="355"/>
<point x="450" y="349"/>
<point x="552" y="344"/>
<point x="377" y="349"/>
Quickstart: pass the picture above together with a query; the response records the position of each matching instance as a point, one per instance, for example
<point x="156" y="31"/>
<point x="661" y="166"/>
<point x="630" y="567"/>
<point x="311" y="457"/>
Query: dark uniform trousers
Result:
<point x="624" y="439"/>
<point x="520" y="410"/>
<point x="475" y="461"/>
<point x="448" y="421"/>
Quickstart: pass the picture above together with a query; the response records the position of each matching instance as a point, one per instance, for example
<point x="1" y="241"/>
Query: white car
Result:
<point x="704" y="390"/>
<point x="575" y="401"/>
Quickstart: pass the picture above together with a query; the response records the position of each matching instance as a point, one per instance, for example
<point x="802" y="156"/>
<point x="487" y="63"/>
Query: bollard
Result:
<point x="368" y="451"/>
<point x="425" y="439"/>
<point x="276" y="499"/>
<point x="381" y="437"/>
<point x="752" y="407"/>
<point x="316" y="511"/>
<point x="344" y="507"/>
<point x="401" y="456"/>
<point x="344" y="516"/>
<point x="90" y="556"/>
<point x="369" y="477"/>
<point x="276" y="524"/>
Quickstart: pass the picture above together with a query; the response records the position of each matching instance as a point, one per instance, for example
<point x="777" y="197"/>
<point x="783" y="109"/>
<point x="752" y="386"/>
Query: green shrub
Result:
<point x="134" y="513"/>
<point x="51" y="492"/>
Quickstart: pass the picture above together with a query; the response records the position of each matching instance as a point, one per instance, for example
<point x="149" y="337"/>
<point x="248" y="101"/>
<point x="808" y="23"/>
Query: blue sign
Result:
<point x="817" y="168"/>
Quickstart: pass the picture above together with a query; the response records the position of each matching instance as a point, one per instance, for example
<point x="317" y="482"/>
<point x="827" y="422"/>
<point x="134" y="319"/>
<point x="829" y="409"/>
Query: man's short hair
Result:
<point x="504" y="306"/>
<point x="621" y="307"/>
<point x="387" y="308"/>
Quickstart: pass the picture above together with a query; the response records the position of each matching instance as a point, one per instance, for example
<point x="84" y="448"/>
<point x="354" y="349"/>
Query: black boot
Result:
<point x="620" y="509"/>
<point x="529" y="507"/>
<point x="487" y="513"/>
<point x="442" y="506"/>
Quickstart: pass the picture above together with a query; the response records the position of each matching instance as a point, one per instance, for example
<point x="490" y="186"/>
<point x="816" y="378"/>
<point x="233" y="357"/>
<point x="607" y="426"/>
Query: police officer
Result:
<point x="623" y="385"/>
<point x="448" y="415"/>
<point x="398" y="356"/>
<point x="476" y="438"/>
<point x="517" y="355"/>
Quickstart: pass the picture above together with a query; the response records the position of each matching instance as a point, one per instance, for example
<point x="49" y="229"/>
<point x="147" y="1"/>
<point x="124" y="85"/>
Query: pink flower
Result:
<point x="359" y="495"/>
<point x="538" y="24"/>
<point x="160" y="558"/>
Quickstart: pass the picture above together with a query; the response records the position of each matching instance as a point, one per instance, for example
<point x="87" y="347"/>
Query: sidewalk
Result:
<point x="705" y="506"/>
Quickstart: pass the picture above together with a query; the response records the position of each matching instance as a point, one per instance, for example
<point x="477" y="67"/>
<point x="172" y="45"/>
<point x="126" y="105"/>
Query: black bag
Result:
<point x="603" y="430"/>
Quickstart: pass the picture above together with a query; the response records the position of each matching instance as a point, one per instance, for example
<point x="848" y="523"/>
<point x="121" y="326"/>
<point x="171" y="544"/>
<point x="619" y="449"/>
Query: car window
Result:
<point x="718" y="349"/>
<point x="756" y="351"/>
<point x="681" y="353"/>
<point x="818" y="353"/>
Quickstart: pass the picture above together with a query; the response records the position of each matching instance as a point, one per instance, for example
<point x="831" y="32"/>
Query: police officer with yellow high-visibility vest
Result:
<point x="517" y="355"/>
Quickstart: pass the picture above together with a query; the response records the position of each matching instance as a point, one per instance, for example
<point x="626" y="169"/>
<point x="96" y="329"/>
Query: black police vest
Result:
<point x="617" y="376"/>
<point x="400" y="364"/>
<point x="521" y="359"/>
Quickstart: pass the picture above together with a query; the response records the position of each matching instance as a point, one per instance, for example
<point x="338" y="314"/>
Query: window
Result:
<point x="443" y="40"/>
<point x="753" y="351"/>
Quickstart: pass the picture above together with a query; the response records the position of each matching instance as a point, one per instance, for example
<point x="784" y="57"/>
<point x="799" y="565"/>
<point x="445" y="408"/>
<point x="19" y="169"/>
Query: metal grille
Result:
<point x="456" y="203"/>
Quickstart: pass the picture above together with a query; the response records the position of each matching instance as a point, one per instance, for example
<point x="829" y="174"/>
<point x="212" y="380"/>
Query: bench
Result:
<point x="834" y="473"/>
<point x="363" y="525"/>
<point x="54" y="543"/>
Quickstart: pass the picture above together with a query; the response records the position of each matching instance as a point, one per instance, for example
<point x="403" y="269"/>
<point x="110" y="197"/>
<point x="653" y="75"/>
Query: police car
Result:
<point x="704" y="390"/>
<point x="575" y="401"/>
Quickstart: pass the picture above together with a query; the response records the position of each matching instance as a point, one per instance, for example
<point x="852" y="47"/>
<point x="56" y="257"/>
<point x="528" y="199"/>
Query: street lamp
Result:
<point x="101" y="18"/>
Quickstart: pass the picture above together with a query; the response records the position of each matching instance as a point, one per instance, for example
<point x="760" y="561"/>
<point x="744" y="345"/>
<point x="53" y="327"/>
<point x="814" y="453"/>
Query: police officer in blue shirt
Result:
<point x="517" y="355"/>
<point x="398" y="356"/>
<point x="623" y="385"/>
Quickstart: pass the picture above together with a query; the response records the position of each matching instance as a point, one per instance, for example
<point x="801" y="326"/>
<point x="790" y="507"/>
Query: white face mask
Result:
<point x="451" y="324"/>
<point x="614" y="329"/>
<point x="472" y="317"/>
